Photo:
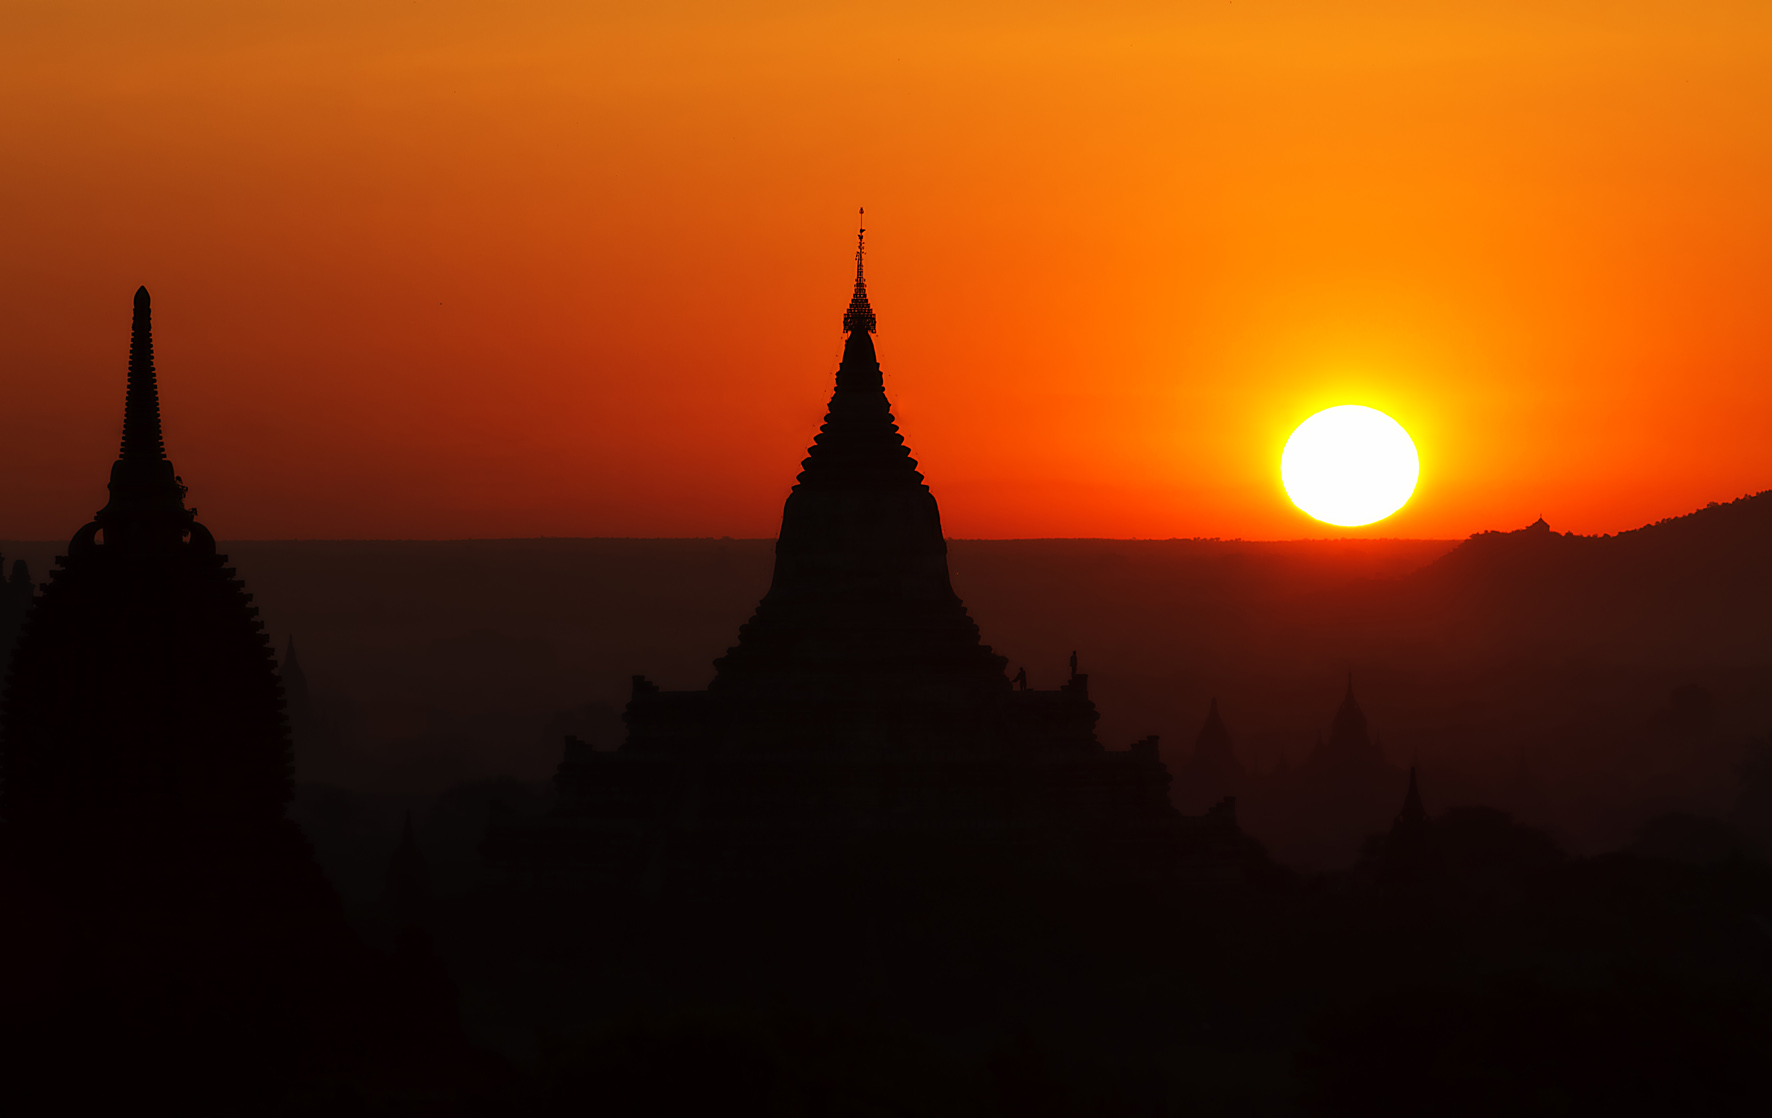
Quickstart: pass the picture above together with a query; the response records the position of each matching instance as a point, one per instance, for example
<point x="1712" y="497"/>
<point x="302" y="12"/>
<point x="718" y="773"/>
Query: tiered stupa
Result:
<point x="143" y="699"/>
<point x="169" y="932"/>
<point x="859" y="709"/>
<point x="861" y="640"/>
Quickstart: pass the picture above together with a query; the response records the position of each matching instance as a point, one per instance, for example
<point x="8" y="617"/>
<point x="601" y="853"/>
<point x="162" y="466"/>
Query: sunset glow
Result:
<point x="1350" y="466"/>
<point x="457" y="269"/>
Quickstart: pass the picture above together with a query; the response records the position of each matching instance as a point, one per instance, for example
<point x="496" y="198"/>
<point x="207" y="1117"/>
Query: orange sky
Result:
<point x="442" y="270"/>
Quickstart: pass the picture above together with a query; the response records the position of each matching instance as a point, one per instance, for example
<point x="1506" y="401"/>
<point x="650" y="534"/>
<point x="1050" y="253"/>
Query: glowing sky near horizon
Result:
<point x="453" y="270"/>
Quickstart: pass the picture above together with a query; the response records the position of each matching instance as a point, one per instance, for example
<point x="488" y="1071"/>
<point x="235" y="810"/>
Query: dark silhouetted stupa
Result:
<point x="164" y="918"/>
<point x="143" y="706"/>
<point x="859" y="709"/>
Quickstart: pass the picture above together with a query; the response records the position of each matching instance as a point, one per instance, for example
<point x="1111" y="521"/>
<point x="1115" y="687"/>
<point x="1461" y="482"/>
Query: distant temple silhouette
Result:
<point x="1350" y="747"/>
<point x="1345" y="788"/>
<point x="1212" y="772"/>
<point x="859" y="706"/>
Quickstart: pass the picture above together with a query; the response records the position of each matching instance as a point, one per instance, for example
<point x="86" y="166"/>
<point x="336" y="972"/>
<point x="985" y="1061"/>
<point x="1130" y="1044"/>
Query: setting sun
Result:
<point x="1349" y="465"/>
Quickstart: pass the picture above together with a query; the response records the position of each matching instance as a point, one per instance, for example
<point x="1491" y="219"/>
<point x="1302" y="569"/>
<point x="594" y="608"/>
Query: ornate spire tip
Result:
<point x="141" y="403"/>
<point x="860" y="315"/>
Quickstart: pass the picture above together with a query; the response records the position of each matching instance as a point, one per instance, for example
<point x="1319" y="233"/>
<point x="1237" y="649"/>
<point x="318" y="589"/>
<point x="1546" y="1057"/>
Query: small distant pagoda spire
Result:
<point x="1413" y="814"/>
<point x="859" y="316"/>
<point x="1409" y="861"/>
<point x="1213" y="737"/>
<point x="1214" y="762"/>
<point x="1350" y="720"/>
<point x="1350" y="738"/>
<point x="142" y="441"/>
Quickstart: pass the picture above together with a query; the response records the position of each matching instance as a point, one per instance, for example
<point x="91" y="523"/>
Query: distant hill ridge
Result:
<point x="1753" y="510"/>
<point x="1744" y="523"/>
<point x="1691" y="586"/>
<point x="1754" y="505"/>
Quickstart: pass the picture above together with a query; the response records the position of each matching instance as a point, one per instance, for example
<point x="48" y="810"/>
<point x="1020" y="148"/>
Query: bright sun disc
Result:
<point x="1349" y="465"/>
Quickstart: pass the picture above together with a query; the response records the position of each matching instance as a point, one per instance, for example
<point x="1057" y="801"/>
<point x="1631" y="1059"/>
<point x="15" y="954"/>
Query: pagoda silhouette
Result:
<point x="1343" y="791"/>
<point x="859" y="717"/>
<point x="169" y="931"/>
<point x="1350" y="747"/>
<point x="143" y="700"/>
<point x="1212" y="772"/>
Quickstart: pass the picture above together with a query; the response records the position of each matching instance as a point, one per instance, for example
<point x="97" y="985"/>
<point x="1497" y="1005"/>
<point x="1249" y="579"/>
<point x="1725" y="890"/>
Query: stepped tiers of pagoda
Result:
<point x="143" y="697"/>
<point x="162" y="911"/>
<point x="859" y="706"/>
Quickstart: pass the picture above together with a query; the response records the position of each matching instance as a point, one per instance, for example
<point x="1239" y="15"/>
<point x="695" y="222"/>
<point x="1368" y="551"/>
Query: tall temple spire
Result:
<point x="141" y="406"/>
<point x="152" y="690"/>
<point x="860" y="603"/>
<point x="859" y="316"/>
<point x="146" y="513"/>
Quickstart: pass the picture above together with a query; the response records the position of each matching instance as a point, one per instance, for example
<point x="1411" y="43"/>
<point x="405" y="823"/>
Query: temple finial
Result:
<point x="141" y="406"/>
<point x="859" y="316"/>
<point x="146" y="513"/>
